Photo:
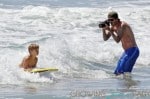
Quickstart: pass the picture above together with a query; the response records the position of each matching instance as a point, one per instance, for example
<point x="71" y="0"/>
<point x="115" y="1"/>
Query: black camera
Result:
<point x="104" y="23"/>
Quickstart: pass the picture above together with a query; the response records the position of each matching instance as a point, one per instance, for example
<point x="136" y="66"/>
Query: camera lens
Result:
<point x="102" y="25"/>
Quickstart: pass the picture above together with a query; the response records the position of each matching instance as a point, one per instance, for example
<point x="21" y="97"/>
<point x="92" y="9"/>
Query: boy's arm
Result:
<point x="36" y="60"/>
<point x="24" y="63"/>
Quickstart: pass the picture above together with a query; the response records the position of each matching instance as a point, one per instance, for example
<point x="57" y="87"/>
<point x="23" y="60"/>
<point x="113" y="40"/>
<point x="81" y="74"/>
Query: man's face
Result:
<point x="112" y="21"/>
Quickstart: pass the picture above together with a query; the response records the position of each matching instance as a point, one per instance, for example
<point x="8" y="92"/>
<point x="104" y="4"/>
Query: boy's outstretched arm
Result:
<point x="24" y="63"/>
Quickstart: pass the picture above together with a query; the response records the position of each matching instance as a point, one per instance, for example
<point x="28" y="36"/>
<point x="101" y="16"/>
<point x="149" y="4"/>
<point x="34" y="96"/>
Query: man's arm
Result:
<point x="118" y="35"/>
<point x="106" y="34"/>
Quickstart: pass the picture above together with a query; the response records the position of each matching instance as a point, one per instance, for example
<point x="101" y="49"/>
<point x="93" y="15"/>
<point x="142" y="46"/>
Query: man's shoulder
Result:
<point x="123" y="23"/>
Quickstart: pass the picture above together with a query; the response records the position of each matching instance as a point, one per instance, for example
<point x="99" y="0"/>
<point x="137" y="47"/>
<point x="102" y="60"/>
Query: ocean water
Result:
<point x="70" y="40"/>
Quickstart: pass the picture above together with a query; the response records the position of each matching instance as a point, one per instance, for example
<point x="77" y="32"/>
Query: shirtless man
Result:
<point x="29" y="62"/>
<point x="121" y="31"/>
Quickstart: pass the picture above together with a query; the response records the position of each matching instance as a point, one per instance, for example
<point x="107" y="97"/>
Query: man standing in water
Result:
<point x="121" y="31"/>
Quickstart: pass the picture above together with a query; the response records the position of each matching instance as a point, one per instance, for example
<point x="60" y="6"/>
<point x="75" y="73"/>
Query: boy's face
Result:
<point x="34" y="52"/>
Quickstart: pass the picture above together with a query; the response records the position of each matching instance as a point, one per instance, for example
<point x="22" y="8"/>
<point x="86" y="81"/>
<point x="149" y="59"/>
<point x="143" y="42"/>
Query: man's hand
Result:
<point x="106" y="28"/>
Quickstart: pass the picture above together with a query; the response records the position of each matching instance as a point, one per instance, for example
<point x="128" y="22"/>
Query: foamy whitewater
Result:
<point x="70" y="40"/>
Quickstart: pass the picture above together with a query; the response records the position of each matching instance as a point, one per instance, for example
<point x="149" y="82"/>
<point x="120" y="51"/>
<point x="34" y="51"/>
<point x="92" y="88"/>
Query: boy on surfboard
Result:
<point x="121" y="32"/>
<point x="29" y="62"/>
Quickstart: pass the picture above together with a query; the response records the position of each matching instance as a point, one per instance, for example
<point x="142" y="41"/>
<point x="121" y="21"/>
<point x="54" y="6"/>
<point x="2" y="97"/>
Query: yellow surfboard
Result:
<point x="38" y="70"/>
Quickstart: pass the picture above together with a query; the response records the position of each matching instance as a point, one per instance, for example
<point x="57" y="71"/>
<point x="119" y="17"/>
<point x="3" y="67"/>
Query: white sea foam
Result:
<point x="69" y="39"/>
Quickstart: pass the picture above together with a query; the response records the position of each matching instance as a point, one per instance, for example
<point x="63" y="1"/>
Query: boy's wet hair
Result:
<point x="33" y="47"/>
<point x="113" y="14"/>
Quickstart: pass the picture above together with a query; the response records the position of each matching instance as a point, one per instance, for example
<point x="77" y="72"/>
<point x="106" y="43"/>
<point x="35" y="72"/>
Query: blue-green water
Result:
<point x="114" y="88"/>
